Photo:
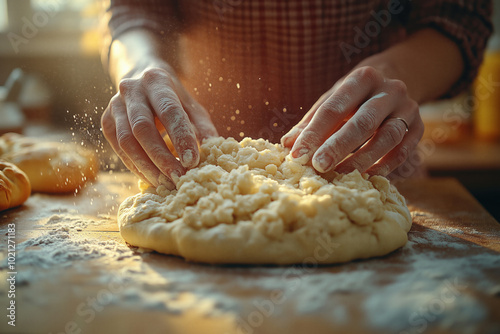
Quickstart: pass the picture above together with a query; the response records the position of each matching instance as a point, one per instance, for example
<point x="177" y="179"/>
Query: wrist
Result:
<point x="145" y="63"/>
<point x="392" y="69"/>
<point x="133" y="52"/>
<point x="428" y="62"/>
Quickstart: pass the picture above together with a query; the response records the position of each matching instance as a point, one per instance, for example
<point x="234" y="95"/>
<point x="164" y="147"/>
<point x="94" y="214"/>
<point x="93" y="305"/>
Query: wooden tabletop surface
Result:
<point x="74" y="274"/>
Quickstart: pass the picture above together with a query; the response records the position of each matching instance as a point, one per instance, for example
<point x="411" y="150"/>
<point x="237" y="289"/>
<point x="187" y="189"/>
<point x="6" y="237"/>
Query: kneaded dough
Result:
<point x="248" y="202"/>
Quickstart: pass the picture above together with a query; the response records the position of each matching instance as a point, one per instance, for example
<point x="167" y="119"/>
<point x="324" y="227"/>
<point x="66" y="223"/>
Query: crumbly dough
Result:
<point x="14" y="186"/>
<point x="51" y="167"/>
<point x="249" y="202"/>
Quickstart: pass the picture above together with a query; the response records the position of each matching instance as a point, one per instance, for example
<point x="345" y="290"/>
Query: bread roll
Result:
<point x="51" y="167"/>
<point x="14" y="186"/>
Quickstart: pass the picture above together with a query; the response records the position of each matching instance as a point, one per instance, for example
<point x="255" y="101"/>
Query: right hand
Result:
<point x="128" y="123"/>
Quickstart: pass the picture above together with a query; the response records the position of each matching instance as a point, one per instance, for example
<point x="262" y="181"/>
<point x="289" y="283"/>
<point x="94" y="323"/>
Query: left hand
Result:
<point x="374" y="107"/>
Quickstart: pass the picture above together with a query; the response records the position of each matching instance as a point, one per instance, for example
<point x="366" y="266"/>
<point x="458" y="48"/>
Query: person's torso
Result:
<point x="258" y="66"/>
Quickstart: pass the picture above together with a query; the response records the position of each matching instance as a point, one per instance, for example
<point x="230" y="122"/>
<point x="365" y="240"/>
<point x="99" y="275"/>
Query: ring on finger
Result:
<point x="405" y="123"/>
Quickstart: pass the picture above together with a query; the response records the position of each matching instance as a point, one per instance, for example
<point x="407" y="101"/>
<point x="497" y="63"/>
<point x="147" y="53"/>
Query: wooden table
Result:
<point x="77" y="275"/>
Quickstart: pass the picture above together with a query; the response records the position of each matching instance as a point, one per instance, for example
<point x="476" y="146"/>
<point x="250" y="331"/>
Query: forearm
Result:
<point x="428" y="63"/>
<point x="135" y="50"/>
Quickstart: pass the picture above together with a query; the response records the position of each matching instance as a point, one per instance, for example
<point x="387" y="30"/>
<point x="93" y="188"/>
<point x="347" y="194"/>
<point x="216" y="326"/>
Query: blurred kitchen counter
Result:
<point x="474" y="163"/>
<point x="468" y="153"/>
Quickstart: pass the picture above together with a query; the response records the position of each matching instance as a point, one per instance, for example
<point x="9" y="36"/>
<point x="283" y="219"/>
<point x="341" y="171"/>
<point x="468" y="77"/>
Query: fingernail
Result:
<point x="187" y="158"/>
<point x="301" y="155"/>
<point x="322" y="163"/>
<point x="286" y="141"/>
<point x="300" y="152"/>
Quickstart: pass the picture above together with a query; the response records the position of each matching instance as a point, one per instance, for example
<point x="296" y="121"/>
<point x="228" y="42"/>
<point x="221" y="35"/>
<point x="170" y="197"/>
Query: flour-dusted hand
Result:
<point x="129" y="125"/>
<point x="364" y="110"/>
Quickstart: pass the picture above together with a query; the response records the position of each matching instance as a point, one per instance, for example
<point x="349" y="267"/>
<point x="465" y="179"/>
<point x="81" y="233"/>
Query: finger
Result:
<point x="289" y="138"/>
<point x="200" y="118"/>
<point x="397" y="156"/>
<point x="358" y="129"/>
<point x="168" y="108"/>
<point x="131" y="148"/>
<point x="198" y="115"/>
<point x="151" y="152"/>
<point x="387" y="137"/>
<point x="343" y="102"/>
<point x="109" y="131"/>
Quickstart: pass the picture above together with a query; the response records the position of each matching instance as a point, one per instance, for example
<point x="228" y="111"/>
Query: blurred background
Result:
<point x="56" y="45"/>
<point x="53" y="84"/>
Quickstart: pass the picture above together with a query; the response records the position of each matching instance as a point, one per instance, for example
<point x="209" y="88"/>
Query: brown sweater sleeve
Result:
<point x="119" y="16"/>
<point x="467" y="23"/>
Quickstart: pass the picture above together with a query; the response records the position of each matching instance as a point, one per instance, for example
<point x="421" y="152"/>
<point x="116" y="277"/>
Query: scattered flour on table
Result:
<point x="57" y="249"/>
<point x="428" y="289"/>
<point x="431" y="291"/>
<point x="73" y="220"/>
<point x="438" y="239"/>
<point x="448" y="230"/>
<point x="473" y="231"/>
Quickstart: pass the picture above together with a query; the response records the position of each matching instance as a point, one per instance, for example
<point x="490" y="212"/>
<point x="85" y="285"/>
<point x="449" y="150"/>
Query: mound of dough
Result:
<point x="52" y="167"/>
<point x="15" y="187"/>
<point x="249" y="202"/>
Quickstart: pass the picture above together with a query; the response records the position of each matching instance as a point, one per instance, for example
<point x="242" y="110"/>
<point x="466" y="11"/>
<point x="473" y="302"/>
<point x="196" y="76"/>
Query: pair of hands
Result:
<point x="362" y="111"/>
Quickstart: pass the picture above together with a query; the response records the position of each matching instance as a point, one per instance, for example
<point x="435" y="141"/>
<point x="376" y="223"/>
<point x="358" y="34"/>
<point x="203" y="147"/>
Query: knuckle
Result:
<point x="124" y="140"/>
<point x="142" y="126"/>
<point x="394" y="134"/>
<point x="156" y="153"/>
<point x="151" y="75"/>
<point x="167" y="106"/>
<point x="138" y="107"/>
<point x="331" y="109"/>
<point x="310" y="138"/>
<point x="340" y="144"/>
<point x="366" y="122"/>
<point x="399" y="87"/>
<point x="337" y="105"/>
<point x="335" y="147"/>
<point x="367" y="73"/>
<point x="126" y="85"/>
